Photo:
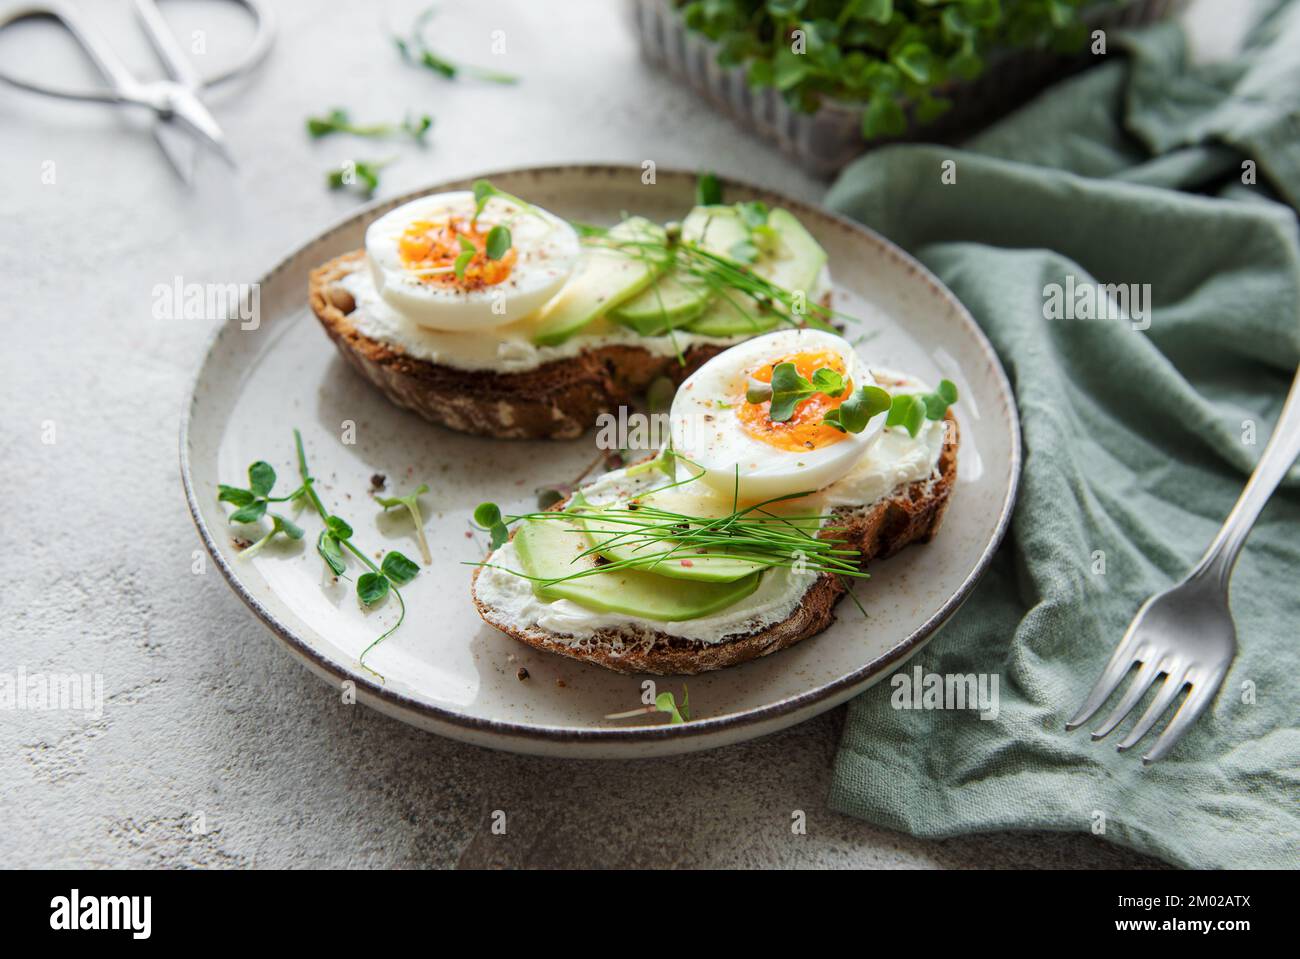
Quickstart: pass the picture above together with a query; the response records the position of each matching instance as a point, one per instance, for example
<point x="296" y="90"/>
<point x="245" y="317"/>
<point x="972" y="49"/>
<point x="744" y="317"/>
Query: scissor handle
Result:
<point x="179" y="66"/>
<point x="123" y="86"/>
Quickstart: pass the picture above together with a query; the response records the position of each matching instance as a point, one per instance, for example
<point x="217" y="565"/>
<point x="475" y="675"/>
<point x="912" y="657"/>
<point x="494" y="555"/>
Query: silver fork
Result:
<point x="1185" y="634"/>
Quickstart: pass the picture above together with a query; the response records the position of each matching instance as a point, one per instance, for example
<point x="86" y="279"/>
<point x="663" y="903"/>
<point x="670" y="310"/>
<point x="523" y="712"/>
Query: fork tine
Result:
<point x="1168" y="693"/>
<point x="1132" y="696"/>
<point x="1201" y="695"/>
<point x="1120" y="662"/>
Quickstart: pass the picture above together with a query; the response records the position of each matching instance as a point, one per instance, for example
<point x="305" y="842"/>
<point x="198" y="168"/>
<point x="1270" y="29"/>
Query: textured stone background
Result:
<point x="205" y="715"/>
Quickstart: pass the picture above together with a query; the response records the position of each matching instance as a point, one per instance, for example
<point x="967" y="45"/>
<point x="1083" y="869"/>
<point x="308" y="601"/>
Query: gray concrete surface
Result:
<point x="214" y="749"/>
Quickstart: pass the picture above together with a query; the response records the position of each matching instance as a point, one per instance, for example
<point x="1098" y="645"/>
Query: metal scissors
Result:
<point x="175" y="102"/>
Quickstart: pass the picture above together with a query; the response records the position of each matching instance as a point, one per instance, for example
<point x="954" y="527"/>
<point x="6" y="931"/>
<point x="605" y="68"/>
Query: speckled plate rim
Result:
<point x="514" y="736"/>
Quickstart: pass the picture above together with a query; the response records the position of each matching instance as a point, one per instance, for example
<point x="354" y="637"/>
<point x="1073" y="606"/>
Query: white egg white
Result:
<point x="707" y="432"/>
<point x="546" y="251"/>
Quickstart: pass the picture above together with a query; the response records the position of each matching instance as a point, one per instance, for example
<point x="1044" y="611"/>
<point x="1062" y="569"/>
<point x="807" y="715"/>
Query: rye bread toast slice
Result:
<point x="912" y="513"/>
<point x="559" y="399"/>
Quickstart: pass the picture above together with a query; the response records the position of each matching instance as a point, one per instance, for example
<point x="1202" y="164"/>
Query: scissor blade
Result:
<point x="180" y="147"/>
<point x="189" y="112"/>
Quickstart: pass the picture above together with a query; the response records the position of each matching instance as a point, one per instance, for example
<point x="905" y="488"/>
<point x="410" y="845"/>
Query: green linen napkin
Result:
<point x="1137" y="443"/>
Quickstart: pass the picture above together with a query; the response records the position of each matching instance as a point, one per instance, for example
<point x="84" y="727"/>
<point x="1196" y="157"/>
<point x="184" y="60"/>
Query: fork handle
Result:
<point x="1281" y="451"/>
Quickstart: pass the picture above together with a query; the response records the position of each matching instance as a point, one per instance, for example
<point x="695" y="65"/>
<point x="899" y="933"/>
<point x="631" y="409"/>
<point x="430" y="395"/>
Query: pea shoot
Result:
<point x="664" y="703"/>
<point x="251" y="505"/>
<point x="415" y="50"/>
<point x="339" y="121"/>
<point x="412" y="503"/>
<point x="363" y="174"/>
<point x="334" y="541"/>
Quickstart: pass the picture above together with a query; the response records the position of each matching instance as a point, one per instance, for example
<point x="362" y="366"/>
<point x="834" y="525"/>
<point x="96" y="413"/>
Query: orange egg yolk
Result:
<point x="434" y="247"/>
<point x="804" y="430"/>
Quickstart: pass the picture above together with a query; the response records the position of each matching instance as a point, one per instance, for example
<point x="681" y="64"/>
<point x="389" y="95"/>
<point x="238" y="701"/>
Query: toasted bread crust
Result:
<point x="912" y="514"/>
<point x="557" y="400"/>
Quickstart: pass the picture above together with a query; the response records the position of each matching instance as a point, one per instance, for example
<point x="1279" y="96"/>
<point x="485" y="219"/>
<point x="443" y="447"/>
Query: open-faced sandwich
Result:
<point x="490" y="315"/>
<point x="792" y="464"/>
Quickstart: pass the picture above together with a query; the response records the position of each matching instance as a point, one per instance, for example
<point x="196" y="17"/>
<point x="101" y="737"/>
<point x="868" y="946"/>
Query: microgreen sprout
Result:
<point x="488" y="517"/>
<point x="708" y="191"/>
<point x="251" y="505"/>
<point x="858" y="409"/>
<point x="484" y="191"/>
<point x="911" y="410"/>
<point x="498" y="242"/>
<point x="360" y="173"/>
<point x="416" y="50"/>
<point x="339" y="121"/>
<point x="664" y="703"/>
<point x="412" y="503"/>
<point x="373" y="585"/>
<point x="467" y="252"/>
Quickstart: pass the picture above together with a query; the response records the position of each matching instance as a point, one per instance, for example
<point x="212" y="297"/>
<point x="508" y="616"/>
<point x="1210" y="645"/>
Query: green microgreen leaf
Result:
<point x="659" y="395"/>
<point x="372" y="587"/>
<point x="914" y="61"/>
<point x="418" y="127"/>
<point x="279" y="525"/>
<point x="853" y="415"/>
<point x="438" y="65"/>
<point x="282" y="524"/>
<point x="789" y="389"/>
<point x="488" y="517"/>
<point x="250" y="513"/>
<point x="937" y="403"/>
<point x="666" y="703"/>
<point x="548" y="496"/>
<point x="363" y="174"/>
<point x="338" y="527"/>
<point x="708" y="191"/>
<point x="412" y="503"/>
<point x="484" y="191"/>
<point x="467" y="252"/>
<point x="828" y="381"/>
<point x="261" y="478"/>
<point x="907" y="411"/>
<point x="330" y="551"/>
<point x="498" y="242"/>
<point x="744" y="250"/>
<point x="234" y="494"/>
<point x="398" y="568"/>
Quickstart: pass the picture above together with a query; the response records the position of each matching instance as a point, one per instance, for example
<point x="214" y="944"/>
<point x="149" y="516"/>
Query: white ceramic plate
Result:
<point x="445" y="670"/>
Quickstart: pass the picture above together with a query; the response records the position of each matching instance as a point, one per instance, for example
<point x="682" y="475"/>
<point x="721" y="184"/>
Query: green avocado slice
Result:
<point x="603" y="279"/>
<point x="671" y="301"/>
<point x="793" y="264"/>
<point x="717" y="567"/>
<point x="549" y="549"/>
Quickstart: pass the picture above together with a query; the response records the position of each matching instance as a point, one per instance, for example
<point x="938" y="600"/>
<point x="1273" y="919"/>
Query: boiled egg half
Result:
<point x="413" y="253"/>
<point x="733" y="444"/>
